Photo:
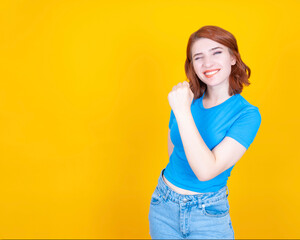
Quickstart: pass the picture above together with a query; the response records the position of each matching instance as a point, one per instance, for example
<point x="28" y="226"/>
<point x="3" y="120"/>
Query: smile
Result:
<point x="210" y="74"/>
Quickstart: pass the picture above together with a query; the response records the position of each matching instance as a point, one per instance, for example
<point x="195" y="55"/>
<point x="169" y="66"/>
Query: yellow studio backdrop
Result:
<point x="84" y="113"/>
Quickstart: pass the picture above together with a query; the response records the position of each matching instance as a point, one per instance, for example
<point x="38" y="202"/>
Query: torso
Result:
<point x="206" y="105"/>
<point x="177" y="189"/>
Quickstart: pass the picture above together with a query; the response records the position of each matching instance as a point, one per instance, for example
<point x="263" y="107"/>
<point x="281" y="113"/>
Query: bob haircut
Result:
<point x="240" y="72"/>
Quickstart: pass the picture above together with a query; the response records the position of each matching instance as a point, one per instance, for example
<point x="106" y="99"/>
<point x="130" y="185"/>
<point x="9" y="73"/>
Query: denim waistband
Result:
<point x="197" y="199"/>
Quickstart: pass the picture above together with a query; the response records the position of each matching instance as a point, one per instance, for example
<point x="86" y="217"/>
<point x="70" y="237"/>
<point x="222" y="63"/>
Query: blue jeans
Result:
<point x="177" y="216"/>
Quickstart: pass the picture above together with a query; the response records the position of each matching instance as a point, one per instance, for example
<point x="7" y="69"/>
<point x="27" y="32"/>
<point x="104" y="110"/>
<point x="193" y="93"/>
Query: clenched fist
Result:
<point x="181" y="97"/>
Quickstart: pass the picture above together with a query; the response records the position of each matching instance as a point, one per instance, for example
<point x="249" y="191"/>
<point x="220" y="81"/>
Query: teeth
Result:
<point x="211" y="73"/>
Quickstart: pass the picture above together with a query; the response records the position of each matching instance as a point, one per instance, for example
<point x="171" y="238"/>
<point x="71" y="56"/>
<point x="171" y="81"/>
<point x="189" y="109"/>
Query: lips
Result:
<point x="210" y="73"/>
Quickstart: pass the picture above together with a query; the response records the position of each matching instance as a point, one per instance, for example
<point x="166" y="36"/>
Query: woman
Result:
<point x="211" y="126"/>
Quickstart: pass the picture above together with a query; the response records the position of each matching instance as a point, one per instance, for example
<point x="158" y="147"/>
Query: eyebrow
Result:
<point x="209" y="50"/>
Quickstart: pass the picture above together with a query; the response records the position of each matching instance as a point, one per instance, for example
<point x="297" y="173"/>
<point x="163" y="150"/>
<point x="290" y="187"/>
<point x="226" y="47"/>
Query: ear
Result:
<point x="233" y="60"/>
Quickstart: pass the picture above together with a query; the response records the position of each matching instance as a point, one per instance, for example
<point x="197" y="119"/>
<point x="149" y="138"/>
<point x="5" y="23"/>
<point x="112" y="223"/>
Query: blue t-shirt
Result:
<point x="235" y="118"/>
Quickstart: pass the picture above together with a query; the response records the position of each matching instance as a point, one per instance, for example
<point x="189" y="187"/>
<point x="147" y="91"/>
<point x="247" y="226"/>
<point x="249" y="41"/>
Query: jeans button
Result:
<point x="185" y="200"/>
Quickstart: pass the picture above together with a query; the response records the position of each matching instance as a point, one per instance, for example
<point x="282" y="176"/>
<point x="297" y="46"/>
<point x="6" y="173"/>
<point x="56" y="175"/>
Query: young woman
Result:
<point x="211" y="126"/>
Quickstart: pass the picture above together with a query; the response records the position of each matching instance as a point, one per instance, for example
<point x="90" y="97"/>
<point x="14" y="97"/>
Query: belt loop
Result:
<point x="227" y="190"/>
<point x="167" y="194"/>
<point x="199" y="203"/>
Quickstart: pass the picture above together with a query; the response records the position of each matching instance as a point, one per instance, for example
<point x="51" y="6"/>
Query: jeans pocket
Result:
<point x="156" y="197"/>
<point x="217" y="209"/>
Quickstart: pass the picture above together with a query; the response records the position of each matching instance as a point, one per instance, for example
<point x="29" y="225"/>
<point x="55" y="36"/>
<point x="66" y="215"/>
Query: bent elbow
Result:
<point x="205" y="177"/>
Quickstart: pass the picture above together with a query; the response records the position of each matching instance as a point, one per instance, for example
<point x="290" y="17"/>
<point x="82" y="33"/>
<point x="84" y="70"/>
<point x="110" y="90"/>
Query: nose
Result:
<point x="207" y="62"/>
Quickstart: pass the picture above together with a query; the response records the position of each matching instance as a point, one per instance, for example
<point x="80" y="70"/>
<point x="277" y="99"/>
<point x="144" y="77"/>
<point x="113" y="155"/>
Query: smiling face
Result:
<point x="212" y="62"/>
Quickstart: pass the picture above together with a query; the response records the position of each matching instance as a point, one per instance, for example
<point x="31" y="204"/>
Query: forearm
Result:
<point x="199" y="156"/>
<point x="170" y="145"/>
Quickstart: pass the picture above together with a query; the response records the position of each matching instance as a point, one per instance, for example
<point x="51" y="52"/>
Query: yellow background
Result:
<point x="84" y="113"/>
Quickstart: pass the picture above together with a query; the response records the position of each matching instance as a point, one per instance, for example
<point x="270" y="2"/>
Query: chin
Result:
<point x="212" y="84"/>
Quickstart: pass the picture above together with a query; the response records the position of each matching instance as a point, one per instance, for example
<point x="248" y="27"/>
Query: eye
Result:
<point x="202" y="57"/>
<point x="198" y="58"/>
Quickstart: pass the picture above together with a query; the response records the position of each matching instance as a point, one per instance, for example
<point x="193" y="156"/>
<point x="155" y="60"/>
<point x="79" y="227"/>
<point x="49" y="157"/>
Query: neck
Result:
<point x="216" y="94"/>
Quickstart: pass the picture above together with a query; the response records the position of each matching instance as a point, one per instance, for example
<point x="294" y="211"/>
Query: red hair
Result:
<point x="240" y="72"/>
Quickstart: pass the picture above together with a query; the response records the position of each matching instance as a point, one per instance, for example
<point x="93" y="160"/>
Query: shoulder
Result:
<point x="244" y="102"/>
<point x="246" y="124"/>
<point x="248" y="109"/>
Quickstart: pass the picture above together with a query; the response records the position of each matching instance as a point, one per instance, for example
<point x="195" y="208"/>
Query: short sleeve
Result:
<point x="172" y="116"/>
<point x="245" y="127"/>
